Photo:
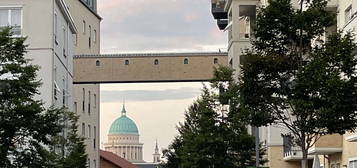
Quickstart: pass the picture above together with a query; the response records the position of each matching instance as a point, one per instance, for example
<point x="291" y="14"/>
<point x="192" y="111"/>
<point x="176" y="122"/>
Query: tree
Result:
<point x="294" y="79"/>
<point x="209" y="137"/>
<point x="27" y="129"/>
<point x="68" y="151"/>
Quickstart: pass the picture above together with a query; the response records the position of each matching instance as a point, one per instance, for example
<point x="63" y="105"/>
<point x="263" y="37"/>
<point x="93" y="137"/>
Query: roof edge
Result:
<point x="154" y="54"/>
<point x="94" y="13"/>
<point x="62" y="5"/>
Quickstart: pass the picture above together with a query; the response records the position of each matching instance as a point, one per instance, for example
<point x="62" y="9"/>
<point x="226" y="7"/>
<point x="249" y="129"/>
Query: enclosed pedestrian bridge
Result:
<point x="148" y="67"/>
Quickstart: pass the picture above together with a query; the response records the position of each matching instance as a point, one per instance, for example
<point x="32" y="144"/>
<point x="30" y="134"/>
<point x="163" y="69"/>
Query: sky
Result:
<point x="154" y="26"/>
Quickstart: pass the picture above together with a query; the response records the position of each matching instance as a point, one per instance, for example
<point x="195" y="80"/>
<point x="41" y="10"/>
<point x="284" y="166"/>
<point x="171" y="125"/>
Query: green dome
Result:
<point x="123" y="125"/>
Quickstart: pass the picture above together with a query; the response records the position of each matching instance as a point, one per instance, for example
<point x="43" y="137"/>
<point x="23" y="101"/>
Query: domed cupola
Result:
<point x="124" y="125"/>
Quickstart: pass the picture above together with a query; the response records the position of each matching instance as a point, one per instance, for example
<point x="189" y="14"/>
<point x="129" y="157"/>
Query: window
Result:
<point x="75" y="39"/>
<point x="11" y="17"/>
<point x="55" y="89"/>
<point x="94" y="163"/>
<point x="126" y="62"/>
<point x="90" y="36"/>
<point x="95" y="101"/>
<point x="83" y="129"/>
<point x="352" y="164"/>
<point x="94" y="137"/>
<point x="64" y="93"/>
<point x="95" y="36"/>
<point x="185" y="61"/>
<point x="84" y="27"/>
<point x="55" y="27"/>
<point x="64" y="42"/>
<point x="156" y="62"/>
<point x="75" y="107"/>
<point x="215" y="61"/>
<point x="97" y="63"/>
<point x="348" y="14"/>
<point x="89" y="101"/>
<point x="89" y="131"/>
<point x="63" y="97"/>
<point x="247" y="15"/>
<point x="84" y="98"/>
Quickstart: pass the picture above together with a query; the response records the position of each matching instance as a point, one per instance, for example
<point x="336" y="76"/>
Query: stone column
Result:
<point x="130" y="154"/>
<point x="127" y="152"/>
<point x="136" y="153"/>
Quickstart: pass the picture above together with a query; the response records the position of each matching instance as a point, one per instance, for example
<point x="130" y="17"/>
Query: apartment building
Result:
<point x="56" y="30"/>
<point x="50" y="33"/>
<point x="238" y="17"/>
<point x="86" y="96"/>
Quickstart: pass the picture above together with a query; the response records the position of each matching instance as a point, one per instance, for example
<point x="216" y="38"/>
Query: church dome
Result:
<point x="123" y="125"/>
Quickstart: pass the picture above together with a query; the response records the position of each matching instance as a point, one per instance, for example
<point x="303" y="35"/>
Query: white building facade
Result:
<point x="56" y="30"/>
<point x="86" y="96"/>
<point x="50" y="32"/>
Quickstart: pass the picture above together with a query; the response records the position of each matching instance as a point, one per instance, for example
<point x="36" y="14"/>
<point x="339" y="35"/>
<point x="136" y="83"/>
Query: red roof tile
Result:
<point x="116" y="160"/>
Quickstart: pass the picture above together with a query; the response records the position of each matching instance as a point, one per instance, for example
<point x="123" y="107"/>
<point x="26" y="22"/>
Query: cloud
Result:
<point x="158" y="25"/>
<point x="149" y="95"/>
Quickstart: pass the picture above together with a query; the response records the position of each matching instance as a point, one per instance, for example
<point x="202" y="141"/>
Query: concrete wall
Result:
<point x="275" y="157"/>
<point x="143" y="69"/>
<point x="329" y="141"/>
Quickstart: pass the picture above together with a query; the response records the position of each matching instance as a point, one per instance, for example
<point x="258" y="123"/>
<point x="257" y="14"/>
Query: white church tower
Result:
<point x="156" y="154"/>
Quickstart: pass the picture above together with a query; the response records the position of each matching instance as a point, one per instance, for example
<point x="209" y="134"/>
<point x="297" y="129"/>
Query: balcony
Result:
<point x="218" y="9"/>
<point x="327" y="144"/>
<point x="352" y="137"/>
<point x="222" y="23"/>
<point x="291" y="152"/>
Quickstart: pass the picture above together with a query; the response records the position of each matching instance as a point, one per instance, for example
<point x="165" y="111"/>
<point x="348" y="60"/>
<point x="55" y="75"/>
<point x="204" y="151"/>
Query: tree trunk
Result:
<point x="304" y="162"/>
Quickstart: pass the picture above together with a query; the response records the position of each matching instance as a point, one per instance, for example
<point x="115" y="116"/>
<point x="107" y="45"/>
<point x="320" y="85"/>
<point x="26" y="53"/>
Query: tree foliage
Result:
<point x="27" y="130"/>
<point x="294" y="78"/>
<point x="210" y="137"/>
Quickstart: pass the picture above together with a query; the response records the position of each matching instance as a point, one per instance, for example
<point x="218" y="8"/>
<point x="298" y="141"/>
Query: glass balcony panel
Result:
<point x="247" y="17"/>
<point x="218" y="9"/>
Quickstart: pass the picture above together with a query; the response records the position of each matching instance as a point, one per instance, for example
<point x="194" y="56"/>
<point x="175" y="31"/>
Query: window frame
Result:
<point x="14" y="7"/>
<point x="215" y="61"/>
<point x="348" y="13"/>
<point x="95" y="36"/>
<point x="352" y="160"/>
<point x="84" y="24"/>
<point x="186" y="61"/>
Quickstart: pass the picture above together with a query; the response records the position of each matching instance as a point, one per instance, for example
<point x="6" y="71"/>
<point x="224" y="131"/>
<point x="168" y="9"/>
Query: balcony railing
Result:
<point x="218" y="9"/>
<point x="290" y="151"/>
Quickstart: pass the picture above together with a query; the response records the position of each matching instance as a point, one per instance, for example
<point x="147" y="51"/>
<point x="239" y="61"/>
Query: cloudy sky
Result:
<point x="154" y="26"/>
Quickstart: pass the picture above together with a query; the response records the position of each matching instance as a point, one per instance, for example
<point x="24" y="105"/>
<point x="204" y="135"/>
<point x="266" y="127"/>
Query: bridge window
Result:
<point x="156" y="62"/>
<point x="97" y="63"/>
<point x="185" y="61"/>
<point x="126" y="62"/>
<point x="215" y="61"/>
